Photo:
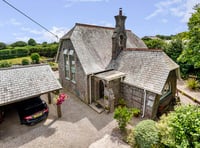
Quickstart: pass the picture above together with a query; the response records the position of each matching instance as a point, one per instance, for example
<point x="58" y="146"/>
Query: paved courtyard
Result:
<point x="79" y="127"/>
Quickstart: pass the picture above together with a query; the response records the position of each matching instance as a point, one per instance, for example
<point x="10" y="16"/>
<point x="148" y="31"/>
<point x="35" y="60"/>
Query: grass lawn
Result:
<point x="17" y="61"/>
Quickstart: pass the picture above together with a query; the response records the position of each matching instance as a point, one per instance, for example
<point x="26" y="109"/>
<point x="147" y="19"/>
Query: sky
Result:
<point x="144" y="17"/>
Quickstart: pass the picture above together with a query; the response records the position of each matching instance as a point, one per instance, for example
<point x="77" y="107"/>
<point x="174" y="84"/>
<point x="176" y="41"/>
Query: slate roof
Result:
<point x="145" y="68"/>
<point x="25" y="82"/>
<point x="93" y="45"/>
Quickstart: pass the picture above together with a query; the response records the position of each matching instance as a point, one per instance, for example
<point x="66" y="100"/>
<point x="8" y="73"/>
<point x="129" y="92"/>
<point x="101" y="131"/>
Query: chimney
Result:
<point x="119" y="35"/>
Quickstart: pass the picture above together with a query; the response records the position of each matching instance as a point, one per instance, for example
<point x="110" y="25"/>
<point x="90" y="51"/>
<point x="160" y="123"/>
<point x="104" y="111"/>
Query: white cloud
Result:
<point x="41" y="35"/>
<point x="106" y="24"/>
<point x="71" y="2"/>
<point x="33" y="31"/>
<point x="177" y="8"/>
<point x="59" y="31"/>
<point x="87" y="0"/>
<point x="14" y="22"/>
<point x="24" y="38"/>
<point x="164" y="20"/>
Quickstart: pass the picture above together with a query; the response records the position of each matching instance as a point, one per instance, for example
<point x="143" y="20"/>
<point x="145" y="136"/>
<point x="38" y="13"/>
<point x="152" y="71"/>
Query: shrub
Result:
<point x="4" y="64"/>
<point x="146" y="134"/>
<point x="135" y="111"/>
<point x="180" y="128"/>
<point x="25" y="62"/>
<point x="35" y="57"/>
<point x="192" y="83"/>
<point x="131" y="138"/>
<point x="121" y="102"/>
<point x="123" y="115"/>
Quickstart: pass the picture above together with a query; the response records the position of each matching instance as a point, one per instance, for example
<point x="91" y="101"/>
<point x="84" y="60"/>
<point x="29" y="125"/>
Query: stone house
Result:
<point x="101" y="65"/>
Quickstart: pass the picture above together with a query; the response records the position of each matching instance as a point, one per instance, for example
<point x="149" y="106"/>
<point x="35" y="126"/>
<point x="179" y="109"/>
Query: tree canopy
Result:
<point x="32" y="42"/>
<point x="2" y="45"/>
<point x="189" y="60"/>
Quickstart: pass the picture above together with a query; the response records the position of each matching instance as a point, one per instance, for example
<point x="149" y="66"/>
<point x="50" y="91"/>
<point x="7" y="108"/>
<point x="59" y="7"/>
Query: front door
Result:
<point x="101" y="89"/>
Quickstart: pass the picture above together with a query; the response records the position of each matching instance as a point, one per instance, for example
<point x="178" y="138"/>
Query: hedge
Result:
<point x="48" y="51"/>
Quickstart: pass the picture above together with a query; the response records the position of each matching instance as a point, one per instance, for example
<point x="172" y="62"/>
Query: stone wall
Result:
<point x="134" y="97"/>
<point x="80" y="87"/>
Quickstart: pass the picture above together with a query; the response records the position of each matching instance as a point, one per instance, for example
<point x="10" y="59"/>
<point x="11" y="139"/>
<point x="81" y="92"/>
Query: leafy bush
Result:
<point x="123" y="115"/>
<point x="180" y="128"/>
<point x="135" y="111"/>
<point x="192" y="83"/>
<point x="121" y="102"/>
<point x="35" y="57"/>
<point x="146" y="134"/>
<point x="4" y="64"/>
<point x="131" y="138"/>
<point x="25" y="62"/>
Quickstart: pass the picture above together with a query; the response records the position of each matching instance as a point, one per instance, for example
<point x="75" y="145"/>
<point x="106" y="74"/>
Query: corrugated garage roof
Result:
<point x="25" y="82"/>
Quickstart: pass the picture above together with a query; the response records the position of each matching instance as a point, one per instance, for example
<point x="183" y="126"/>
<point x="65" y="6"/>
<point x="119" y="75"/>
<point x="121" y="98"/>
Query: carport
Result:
<point x="25" y="82"/>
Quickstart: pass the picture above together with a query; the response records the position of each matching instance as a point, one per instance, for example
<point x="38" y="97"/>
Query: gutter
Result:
<point x="144" y="103"/>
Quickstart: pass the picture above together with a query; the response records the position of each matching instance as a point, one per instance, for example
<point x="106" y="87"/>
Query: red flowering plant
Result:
<point x="59" y="99"/>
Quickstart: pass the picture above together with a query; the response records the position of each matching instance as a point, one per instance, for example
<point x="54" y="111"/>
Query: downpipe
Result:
<point x="144" y="103"/>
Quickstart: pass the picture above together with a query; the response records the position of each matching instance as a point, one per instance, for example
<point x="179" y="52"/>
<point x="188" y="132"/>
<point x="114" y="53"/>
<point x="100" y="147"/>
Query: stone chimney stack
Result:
<point x="119" y="35"/>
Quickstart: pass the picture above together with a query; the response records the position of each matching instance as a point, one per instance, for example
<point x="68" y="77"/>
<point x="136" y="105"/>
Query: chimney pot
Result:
<point x="120" y="11"/>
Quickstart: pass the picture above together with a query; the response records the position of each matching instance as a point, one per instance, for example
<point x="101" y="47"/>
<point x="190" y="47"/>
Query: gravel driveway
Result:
<point x="79" y="127"/>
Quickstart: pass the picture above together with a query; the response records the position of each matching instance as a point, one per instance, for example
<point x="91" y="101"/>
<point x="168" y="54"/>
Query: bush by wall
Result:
<point x="4" y="64"/>
<point x="25" y="62"/>
<point x="146" y="134"/>
<point x="192" y="83"/>
<point x="35" y="57"/>
<point x="123" y="115"/>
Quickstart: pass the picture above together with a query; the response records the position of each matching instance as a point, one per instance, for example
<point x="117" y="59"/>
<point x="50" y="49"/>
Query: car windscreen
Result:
<point x="32" y="110"/>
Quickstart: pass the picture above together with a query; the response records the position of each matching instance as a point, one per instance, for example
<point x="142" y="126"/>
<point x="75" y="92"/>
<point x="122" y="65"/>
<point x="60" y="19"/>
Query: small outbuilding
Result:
<point x="25" y="82"/>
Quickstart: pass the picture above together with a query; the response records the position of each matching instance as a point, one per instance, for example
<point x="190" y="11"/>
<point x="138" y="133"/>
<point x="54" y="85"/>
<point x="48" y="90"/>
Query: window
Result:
<point x="72" y="65"/>
<point x="167" y="89"/>
<point x="70" y="68"/>
<point x="67" y="65"/>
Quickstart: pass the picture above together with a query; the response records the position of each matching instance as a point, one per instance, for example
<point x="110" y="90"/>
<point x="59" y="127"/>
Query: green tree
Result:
<point x="180" y="128"/>
<point x="154" y="43"/>
<point x="19" y="44"/>
<point x="189" y="59"/>
<point x="174" y="49"/>
<point x="2" y="45"/>
<point x="32" y="42"/>
<point x="182" y="36"/>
